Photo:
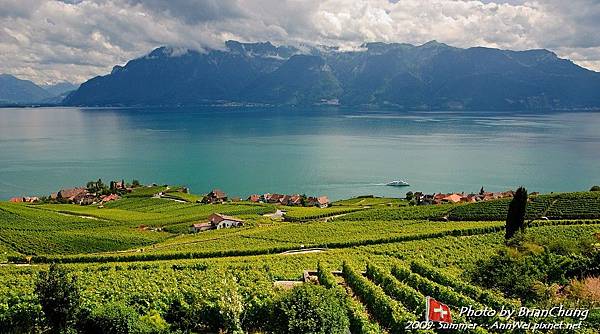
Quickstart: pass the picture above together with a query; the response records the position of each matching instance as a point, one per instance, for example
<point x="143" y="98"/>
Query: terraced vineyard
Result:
<point x="433" y="212"/>
<point x="388" y="258"/>
<point x="302" y="214"/>
<point x="584" y="205"/>
<point x="575" y="206"/>
<point x="32" y="231"/>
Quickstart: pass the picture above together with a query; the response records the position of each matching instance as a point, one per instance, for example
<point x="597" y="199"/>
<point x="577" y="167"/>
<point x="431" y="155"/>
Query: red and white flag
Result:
<point x="437" y="311"/>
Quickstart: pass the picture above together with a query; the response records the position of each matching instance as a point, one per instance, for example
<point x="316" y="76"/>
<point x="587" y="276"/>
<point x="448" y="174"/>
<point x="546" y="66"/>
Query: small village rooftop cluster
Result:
<point x="290" y="200"/>
<point x="434" y="199"/>
<point x="217" y="196"/>
<point x="94" y="193"/>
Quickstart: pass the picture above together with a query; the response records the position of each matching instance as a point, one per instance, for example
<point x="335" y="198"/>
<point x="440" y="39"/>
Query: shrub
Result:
<point x="21" y="314"/>
<point x="59" y="296"/>
<point x="308" y="309"/>
<point x="195" y="313"/>
<point x="152" y="323"/>
<point x="231" y="307"/>
<point x="192" y="313"/>
<point x="520" y="274"/>
<point x="113" y="318"/>
<point x="177" y="315"/>
<point x="595" y="188"/>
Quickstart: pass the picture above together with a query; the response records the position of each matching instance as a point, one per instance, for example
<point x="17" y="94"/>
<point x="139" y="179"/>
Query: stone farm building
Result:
<point x="217" y="221"/>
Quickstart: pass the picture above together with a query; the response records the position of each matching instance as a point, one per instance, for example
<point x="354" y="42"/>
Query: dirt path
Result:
<point x="303" y="251"/>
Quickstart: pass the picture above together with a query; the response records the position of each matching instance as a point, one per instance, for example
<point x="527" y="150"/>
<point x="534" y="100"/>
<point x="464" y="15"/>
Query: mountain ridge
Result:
<point x="431" y="76"/>
<point x="15" y="91"/>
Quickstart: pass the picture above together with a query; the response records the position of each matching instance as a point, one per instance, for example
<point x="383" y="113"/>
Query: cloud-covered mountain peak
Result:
<point x="432" y="76"/>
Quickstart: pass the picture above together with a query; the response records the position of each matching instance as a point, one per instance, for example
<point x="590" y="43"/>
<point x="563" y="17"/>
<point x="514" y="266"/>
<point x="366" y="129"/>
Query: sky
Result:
<point x="74" y="40"/>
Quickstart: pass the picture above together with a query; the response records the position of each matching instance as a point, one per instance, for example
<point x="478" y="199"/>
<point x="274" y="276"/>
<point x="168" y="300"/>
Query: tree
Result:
<point x="97" y="187"/>
<point x="303" y="200"/>
<point x="91" y="186"/>
<point x="409" y="196"/>
<point x="59" y="296"/>
<point x="515" y="219"/>
<point x="135" y="183"/>
<point x="481" y="191"/>
<point x="595" y="188"/>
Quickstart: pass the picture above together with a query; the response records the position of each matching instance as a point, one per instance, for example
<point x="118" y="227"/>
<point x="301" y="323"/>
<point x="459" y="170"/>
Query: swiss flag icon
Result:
<point x="437" y="311"/>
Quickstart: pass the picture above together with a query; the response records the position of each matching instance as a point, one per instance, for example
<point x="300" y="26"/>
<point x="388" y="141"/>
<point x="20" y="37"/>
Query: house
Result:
<point x="16" y="199"/>
<point x="323" y="202"/>
<point x="108" y="198"/>
<point x="118" y="185"/>
<point x="285" y="200"/>
<point x="274" y="198"/>
<point x="295" y="200"/>
<point x="71" y="194"/>
<point x="215" y="196"/>
<point x="254" y="198"/>
<point x="84" y="198"/>
<point x="488" y="196"/>
<point x="220" y="221"/>
<point x="217" y="221"/>
<point x="439" y="197"/>
<point x="195" y="228"/>
<point x="452" y="198"/>
<point x="471" y="198"/>
<point x="311" y="201"/>
<point x="32" y="199"/>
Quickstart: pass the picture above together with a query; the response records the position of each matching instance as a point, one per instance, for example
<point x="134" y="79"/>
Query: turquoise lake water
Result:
<point x="324" y="151"/>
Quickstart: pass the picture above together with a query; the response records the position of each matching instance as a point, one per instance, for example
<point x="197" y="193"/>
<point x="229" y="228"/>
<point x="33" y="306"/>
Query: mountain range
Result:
<point x="14" y="91"/>
<point x="432" y="76"/>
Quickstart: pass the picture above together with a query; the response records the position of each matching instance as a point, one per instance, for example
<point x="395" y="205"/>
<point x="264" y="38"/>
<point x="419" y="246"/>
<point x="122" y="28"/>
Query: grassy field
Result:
<point x="137" y="251"/>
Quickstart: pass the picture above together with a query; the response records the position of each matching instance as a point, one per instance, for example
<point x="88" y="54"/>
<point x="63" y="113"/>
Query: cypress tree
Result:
<point x="515" y="219"/>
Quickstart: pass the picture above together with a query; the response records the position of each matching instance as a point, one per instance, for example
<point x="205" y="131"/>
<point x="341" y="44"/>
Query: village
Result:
<point x="97" y="193"/>
<point x="217" y="196"/>
<point x="419" y="198"/>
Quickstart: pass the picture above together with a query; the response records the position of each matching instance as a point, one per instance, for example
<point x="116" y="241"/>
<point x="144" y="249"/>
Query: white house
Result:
<point x="217" y="221"/>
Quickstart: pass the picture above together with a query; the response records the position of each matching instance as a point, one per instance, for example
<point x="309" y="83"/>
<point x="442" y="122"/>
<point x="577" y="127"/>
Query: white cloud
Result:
<point x="49" y="41"/>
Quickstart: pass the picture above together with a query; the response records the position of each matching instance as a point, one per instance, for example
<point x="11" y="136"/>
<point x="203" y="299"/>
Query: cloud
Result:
<point x="50" y="41"/>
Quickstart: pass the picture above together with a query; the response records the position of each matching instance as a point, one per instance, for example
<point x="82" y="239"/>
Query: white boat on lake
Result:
<point x="398" y="183"/>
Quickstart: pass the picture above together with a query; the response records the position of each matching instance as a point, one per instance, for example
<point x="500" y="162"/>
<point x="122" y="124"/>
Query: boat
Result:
<point x="398" y="183"/>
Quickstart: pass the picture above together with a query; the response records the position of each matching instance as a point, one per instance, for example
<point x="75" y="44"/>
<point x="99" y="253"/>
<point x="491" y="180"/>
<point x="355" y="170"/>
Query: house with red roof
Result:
<point x="216" y="196"/>
<point x="254" y="198"/>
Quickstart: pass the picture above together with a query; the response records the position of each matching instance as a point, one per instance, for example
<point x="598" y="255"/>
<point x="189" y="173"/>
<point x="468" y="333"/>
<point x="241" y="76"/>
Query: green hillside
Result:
<point x="379" y="257"/>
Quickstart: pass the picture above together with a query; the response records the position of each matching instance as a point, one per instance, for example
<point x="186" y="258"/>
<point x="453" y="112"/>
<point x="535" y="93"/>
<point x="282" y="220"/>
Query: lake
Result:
<point x="323" y="151"/>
